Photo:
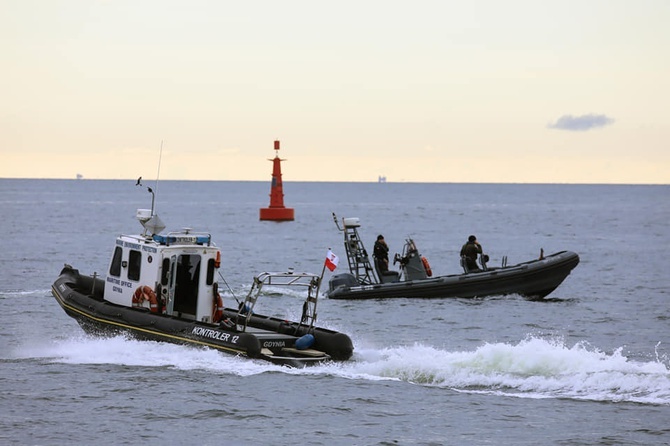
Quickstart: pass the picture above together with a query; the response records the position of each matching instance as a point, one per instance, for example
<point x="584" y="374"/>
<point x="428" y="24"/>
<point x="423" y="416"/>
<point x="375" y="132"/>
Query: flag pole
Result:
<point x="318" y="288"/>
<point x="323" y="271"/>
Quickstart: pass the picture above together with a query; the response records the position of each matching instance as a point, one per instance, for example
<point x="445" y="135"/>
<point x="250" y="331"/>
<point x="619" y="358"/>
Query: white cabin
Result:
<point x="179" y="268"/>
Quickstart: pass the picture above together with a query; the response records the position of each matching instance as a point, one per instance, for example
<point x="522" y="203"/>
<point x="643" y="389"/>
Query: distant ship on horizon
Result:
<point x="80" y="176"/>
<point x="382" y="179"/>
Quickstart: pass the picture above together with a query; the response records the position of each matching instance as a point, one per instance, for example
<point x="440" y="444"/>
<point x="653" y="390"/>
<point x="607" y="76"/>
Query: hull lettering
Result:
<point x="215" y="334"/>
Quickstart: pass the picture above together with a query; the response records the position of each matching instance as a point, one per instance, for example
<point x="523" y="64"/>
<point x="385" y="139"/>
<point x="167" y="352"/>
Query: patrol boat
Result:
<point x="165" y="288"/>
<point x="534" y="279"/>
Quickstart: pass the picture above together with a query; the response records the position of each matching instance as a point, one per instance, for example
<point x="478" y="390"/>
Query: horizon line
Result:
<point x="347" y="181"/>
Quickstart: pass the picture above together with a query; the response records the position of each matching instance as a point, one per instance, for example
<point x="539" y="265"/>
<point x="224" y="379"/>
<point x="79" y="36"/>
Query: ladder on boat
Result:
<point x="357" y="256"/>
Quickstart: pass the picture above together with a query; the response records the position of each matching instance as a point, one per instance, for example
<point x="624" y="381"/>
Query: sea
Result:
<point x="587" y="365"/>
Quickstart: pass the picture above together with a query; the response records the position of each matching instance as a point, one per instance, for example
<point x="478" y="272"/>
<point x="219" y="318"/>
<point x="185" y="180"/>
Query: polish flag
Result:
<point x="331" y="260"/>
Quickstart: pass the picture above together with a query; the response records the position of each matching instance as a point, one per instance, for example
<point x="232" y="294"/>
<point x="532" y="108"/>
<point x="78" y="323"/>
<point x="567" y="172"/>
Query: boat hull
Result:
<point x="535" y="279"/>
<point x="82" y="298"/>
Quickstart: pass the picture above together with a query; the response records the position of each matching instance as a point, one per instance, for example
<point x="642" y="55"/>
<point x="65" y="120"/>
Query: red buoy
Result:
<point x="276" y="211"/>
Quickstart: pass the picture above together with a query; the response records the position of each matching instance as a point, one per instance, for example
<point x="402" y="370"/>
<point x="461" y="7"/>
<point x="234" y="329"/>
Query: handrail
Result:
<point x="304" y="280"/>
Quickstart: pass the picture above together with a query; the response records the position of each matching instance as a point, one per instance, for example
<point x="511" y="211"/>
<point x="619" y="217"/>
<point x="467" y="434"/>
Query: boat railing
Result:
<point x="300" y="280"/>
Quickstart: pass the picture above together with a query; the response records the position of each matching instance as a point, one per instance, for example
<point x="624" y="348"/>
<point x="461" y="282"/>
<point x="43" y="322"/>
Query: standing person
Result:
<point x="470" y="250"/>
<point x="381" y="253"/>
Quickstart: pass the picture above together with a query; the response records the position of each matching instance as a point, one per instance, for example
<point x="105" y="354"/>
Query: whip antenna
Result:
<point x="160" y="156"/>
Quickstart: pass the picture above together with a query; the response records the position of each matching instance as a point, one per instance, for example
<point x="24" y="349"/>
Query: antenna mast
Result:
<point x="160" y="156"/>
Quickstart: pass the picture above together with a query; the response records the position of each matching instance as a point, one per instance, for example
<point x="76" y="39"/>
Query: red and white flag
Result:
<point x="331" y="260"/>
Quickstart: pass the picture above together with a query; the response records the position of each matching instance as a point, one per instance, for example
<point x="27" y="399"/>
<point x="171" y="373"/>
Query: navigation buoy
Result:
<point x="276" y="211"/>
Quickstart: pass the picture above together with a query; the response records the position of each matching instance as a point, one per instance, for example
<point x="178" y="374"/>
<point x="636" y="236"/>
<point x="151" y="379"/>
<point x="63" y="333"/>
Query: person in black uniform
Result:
<point x="470" y="250"/>
<point x="381" y="253"/>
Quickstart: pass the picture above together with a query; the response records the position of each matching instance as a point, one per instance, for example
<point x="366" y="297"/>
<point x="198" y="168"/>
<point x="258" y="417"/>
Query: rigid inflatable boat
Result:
<point x="533" y="279"/>
<point x="165" y="288"/>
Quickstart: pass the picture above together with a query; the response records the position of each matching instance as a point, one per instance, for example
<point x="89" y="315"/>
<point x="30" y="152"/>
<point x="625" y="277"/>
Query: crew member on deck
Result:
<point x="381" y="253"/>
<point x="470" y="250"/>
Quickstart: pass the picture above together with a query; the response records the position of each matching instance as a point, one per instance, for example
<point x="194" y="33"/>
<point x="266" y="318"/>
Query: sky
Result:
<point x="515" y="91"/>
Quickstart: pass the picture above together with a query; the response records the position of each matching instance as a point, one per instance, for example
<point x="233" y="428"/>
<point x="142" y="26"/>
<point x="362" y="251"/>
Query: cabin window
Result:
<point x="210" y="271"/>
<point x="115" y="267"/>
<point x="165" y="272"/>
<point x="134" y="265"/>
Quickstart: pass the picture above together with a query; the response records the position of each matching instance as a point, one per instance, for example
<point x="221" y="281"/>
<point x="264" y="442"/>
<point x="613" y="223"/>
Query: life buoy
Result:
<point x="218" y="308"/>
<point x="145" y="293"/>
<point x="426" y="266"/>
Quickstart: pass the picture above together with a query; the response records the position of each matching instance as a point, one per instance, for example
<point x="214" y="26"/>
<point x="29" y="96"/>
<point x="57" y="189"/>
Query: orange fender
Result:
<point x="426" y="266"/>
<point x="218" y="308"/>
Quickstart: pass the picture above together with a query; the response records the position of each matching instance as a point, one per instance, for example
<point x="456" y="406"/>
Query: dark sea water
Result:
<point x="588" y="365"/>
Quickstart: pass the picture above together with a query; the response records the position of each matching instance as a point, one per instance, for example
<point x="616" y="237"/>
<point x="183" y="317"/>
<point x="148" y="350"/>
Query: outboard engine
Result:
<point x="344" y="279"/>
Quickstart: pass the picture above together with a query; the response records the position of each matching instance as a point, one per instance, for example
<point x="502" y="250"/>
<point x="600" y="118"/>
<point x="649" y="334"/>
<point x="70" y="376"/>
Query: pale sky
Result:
<point x="512" y="91"/>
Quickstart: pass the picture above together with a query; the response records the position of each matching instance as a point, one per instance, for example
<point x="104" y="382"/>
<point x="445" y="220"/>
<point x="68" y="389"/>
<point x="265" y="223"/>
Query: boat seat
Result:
<point x="386" y="276"/>
<point x="483" y="258"/>
<point x="466" y="269"/>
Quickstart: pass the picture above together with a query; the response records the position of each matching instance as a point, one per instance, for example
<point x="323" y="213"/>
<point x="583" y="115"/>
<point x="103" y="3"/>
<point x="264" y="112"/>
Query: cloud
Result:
<point x="580" y="123"/>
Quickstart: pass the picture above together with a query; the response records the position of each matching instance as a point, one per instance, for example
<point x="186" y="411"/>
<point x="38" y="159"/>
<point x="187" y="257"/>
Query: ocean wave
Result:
<point x="531" y="368"/>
